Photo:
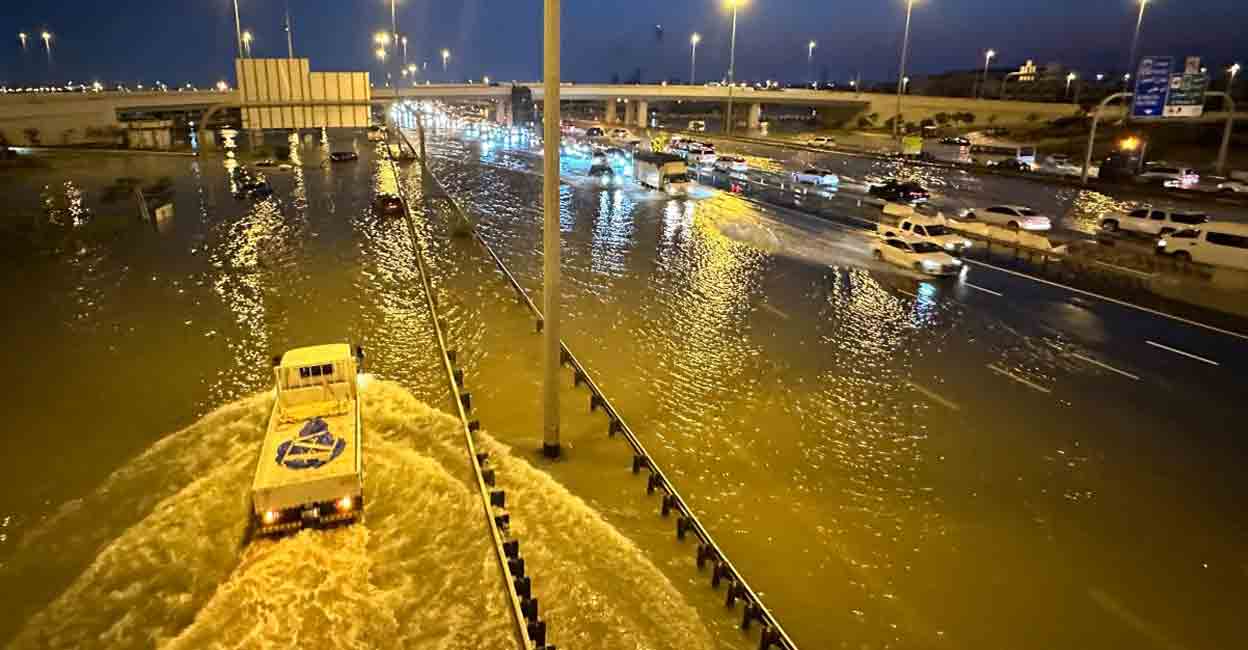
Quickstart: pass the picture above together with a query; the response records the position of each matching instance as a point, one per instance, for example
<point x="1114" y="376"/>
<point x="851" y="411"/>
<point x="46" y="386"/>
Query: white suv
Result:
<point x="822" y="142"/>
<point x="1215" y="243"/>
<point x="1153" y="221"/>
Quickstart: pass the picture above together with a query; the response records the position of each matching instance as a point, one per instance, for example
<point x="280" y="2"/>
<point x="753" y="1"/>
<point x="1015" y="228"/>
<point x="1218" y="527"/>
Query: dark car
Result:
<point x="387" y="203"/>
<point x="344" y="156"/>
<point x="900" y="192"/>
<point x="595" y="132"/>
<point x="1013" y="165"/>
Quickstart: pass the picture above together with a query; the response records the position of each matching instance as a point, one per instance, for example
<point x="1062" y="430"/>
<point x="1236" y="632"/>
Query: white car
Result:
<point x="922" y="256"/>
<point x="1181" y="177"/>
<point x="1014" y="217"/>
<point x="822" y="142"/>
<point x="731" y="164"/>
<point x="1216" y="243"/>
<point x="1233" y="187"/>
<point x="701" y="153"/>
<point x="816" y="176"/>
<point x="1153" y="221"/>
<point x="621" y="134"/>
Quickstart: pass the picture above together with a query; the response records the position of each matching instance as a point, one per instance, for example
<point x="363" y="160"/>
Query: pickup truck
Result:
<point x="899" y="220"/>
<point x="311" y="467"/>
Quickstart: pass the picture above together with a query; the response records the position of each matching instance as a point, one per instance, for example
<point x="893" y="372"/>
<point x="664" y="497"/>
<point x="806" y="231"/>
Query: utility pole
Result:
<point x="552" y="354"/>
<point x="732" y="64"/>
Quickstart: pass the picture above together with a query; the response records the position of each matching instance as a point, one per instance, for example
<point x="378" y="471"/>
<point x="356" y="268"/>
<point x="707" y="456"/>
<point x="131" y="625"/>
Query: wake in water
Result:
<point x="165" y="568"/>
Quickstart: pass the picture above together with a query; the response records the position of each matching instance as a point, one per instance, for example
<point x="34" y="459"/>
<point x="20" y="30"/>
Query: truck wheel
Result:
<point x="1110" y="225"/>
<point x="879" y="256"/>
<point x="1013" y="225"/>
<point x="1166" y="231"/>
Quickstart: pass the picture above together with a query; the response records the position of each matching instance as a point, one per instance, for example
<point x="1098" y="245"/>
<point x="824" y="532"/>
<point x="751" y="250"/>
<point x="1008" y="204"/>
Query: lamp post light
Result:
<point x="21" y="36"/>
<point x="1230" y="82"/>
<point x="1135" y="42"/>
<point x="47" y="44"/>
<point x="732" y="59"/>
<point x="693" y="60"/>
<point x="1100" y="76"/>
<point x="902" y="79"/>
<point x="905" y="84"/>
<point x="988" y="56"/>
<point x="810" y="60"/>
<point x="446" y="56"/>
<point x="247" y="39"/>
<point x="403" y="42"/>
<point x="1070" y="78"/>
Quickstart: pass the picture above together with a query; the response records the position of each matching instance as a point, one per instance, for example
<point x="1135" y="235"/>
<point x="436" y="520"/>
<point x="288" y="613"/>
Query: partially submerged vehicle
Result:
<point x="311" y="469"/>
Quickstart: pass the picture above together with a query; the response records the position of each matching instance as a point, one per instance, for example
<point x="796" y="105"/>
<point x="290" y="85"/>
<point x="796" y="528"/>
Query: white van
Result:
<point x="1216" y="243"/>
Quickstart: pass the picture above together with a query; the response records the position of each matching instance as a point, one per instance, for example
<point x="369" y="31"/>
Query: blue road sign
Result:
<point x="1152" y="86"/>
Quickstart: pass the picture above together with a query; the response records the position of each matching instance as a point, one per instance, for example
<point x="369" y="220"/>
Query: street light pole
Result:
<point x="21" y="36"/>
<point x="901" y="75"/>
<point x="247" y="38"/>
<point x="403" y="40"/>
<point x="983" y="92"/>
<point x="732" y="62"/>
<point x="1230" y="83"/>
<point x="47" y="44"/>
<point x="290" y="38"/>
<point x="810" y="61"/>
<point x="1135" y="41"/>
<point x="446" y="55"/>
<point x="552" y="354"/>
<point x="238" y="30"/>
<point x="693" y="61"/>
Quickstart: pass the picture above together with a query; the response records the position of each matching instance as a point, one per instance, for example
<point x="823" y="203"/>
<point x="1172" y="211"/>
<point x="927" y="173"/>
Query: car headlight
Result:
<point x="957" y="262"/>
<point x="929" y="265"/>
<point x="1161" y="243"/>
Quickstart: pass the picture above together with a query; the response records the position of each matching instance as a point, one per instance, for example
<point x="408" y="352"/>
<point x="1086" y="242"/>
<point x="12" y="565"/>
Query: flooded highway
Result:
<point x="893" y="461"/>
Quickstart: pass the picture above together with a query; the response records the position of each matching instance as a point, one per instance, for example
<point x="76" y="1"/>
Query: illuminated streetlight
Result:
<point x="1135" y="41"/>
<point x="21" y="36"/>
<point x="403" y="42"/>
<point x="1230" y="83"/>
<point x="902" y="79"/>
<point x="47" y="44"/>
<point x="810" y="59"/>
<point x="693" y="62"/>
<point x="486" y="80"/>
<point x="381" y="54"/>
<point x="222" y="86"/>
<point x="247" y="39"/>
<point x="381" y="38"/>
<point x="446" y="56"/>
<point x="988" y="56"/>
<point x="411" y="69"/>
<point x="1100" y="76"/>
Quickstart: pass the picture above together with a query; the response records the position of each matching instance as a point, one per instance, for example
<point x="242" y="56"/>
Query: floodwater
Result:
<point x="837" y="426"/>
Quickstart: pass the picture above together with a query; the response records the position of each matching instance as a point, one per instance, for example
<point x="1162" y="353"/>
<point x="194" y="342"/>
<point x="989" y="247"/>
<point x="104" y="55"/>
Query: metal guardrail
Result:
<point x="708" y="552"/>
<point x="530" y="629"/>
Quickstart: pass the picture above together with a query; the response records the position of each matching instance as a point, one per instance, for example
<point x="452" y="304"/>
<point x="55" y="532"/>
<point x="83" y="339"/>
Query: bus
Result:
<point x="992" y="155"/>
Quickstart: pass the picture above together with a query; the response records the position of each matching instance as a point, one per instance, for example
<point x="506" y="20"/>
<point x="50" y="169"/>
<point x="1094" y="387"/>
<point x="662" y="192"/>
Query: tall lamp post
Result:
<point x="403" y="42"/>
<point x="290" y="37"/>
<point x="552" y="353"/>
<point x="810" y="60"/>
<point x="21" y="36"/>
<point x="1070" y="78"/>
<point x="446" y="56"/>
<point x="732" y="59"/>
<point x="693" y="60"/>
<point x="238" y="30"/>
<point x="1230" y="82"/>
<point x="381" y="56"/>
<point x="1135" y="42"/>
<point x="983" y="84"/>
<point x="47" y="44"/>
<point x="901" y="75"/>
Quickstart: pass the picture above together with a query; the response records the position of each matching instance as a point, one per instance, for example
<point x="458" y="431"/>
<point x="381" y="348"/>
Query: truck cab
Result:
<point x="311" y="471"/>
<point x="899" y="220"/>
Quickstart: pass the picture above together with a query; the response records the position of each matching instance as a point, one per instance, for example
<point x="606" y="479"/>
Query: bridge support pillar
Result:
<point x="630" y="112"/>
<point x="502" y="112"/>
<point x="754" y="121"/>
<point x="611" y="117"/>
<point x="643" y="114"/>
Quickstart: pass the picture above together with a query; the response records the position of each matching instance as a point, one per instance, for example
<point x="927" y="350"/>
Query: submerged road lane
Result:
<point x="980" y="462"/>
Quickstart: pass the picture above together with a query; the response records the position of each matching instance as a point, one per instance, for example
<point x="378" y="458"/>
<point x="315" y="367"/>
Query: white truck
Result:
<point x="663" y="172"/>
<point x="311" y="469"/>
<point x="900" y="220"/>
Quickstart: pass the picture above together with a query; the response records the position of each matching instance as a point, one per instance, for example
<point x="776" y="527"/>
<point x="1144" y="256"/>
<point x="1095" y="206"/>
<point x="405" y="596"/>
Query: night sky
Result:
<point x="193" y="40"/>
